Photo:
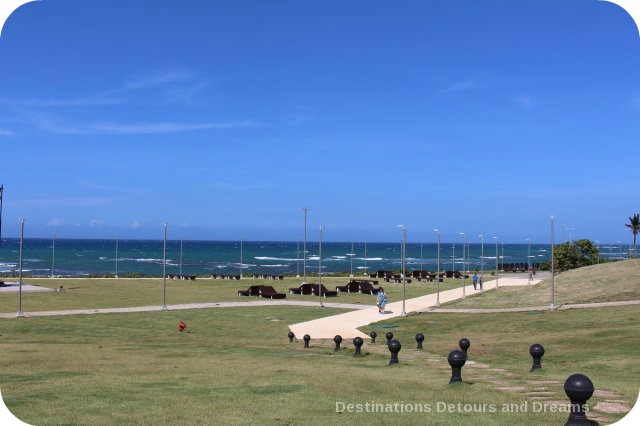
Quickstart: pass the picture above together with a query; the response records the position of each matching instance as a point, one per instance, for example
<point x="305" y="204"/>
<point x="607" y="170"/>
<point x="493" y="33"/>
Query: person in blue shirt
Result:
<point x="381" y="301"/>
<point x="475" y="281"/>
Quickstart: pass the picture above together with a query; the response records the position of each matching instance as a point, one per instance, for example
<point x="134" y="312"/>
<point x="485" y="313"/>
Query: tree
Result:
<point x="574" y="255"/>
<point x="634" y="227"/>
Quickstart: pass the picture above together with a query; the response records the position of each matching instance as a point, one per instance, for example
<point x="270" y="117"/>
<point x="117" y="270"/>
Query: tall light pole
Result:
<point x="241" y="242"/>
<point x="502" y="245"/>
<point x="53" y="253"/>
<point x="320" y="267"/>
<point x="164" y="269"/>
<point x="116" y="256"/>
<point x="553" y="274"/>
<point x="570" y="239"/>
<point x="497" y="273"/>
<point x="404" y="278"/>
<point x="620" y="248"/>
<point x="304" y="246"/>
<point x="180" y="254"/>
<point x="438" y="273"/>
<point x="529" y="257"/>
<point x="298" y="259"/>
<point x="365" y="259"/>
<point x="20" y="314"/>
<point x="421" y="243"/>
<point x="351" y="258"/>
<point x="453" y="256"/>
<point x="481" y="262"/>
<point x="563" y="233"/>
<point x="464" y="265"/>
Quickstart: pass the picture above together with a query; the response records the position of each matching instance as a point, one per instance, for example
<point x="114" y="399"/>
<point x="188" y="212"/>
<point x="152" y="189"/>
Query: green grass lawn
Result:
<point x="89" y="293"/>
<point x="616" y="281"/>
<point x="236" y="366"/>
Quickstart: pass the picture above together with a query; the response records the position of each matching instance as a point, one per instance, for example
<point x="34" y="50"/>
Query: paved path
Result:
<point x="346" y="324"/>
<point x="532" y="308"/>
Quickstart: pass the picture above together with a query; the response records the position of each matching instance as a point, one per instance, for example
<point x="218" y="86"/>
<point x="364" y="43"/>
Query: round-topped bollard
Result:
<point x="456" y="360"/>
<point x="419" y="339"/>
<point x="337" y="340"/>
<point x="389" y="336"/>
<point x="357" y="342"/>
<point x="291" y="336"/>
<point x="394" y="347"/>
<point x="373" y="336"/>
<point x="536" y="350"/>
<point x="306" y="339"/>
<point x="579" y="388"/>
<point x="464" y="345"/>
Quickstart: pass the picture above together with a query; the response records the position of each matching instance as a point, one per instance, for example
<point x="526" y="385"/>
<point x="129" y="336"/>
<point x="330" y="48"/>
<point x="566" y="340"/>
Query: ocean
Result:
<point x="86" y="257"/>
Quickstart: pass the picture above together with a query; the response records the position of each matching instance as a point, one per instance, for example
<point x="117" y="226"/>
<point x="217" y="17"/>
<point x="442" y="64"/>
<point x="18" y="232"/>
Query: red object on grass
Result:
<point x="182" y="326"/>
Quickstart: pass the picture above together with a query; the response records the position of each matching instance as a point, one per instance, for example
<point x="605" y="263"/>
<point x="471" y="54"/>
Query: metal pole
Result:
<point x="553" y="274"/>
<point x="497" y="283"/>
<point x="1" y="197"/>
<point x="404" y="278"/>
<point x="421" y="255"/>
<point x="351" y="256"/>
<point x="570" y="238"/>
<point x="502" y="245"/>
<point x="438" y="273"/>
<point x="20" y="314"/>
<point x="320" y="268"/>
<point x="464" y="264"/>
<point x="240" y="258"/>
<point x="180" y="254"/>
<point x="304" y="246"/>
<point x="164" y="270"/>
<point x="481" y="263"/>
<point x="529" y="258"/>
<point x="298" y="258"/>
<point x="53" y="253"/>
<point x="116" y="256"/>
<point x="365" y="259"/>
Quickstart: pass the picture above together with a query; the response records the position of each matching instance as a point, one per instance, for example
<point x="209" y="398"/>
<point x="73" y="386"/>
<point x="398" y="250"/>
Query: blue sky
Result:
<point x="224" y="118"/>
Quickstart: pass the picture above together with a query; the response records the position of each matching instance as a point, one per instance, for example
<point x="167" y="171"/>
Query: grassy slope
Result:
<point x="235" y="365"/>
<point x="615" y="281"/>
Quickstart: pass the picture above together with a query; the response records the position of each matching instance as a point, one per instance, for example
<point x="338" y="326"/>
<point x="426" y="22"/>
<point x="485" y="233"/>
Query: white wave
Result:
<point x="339" y="257"/>
<point x="370" y="258"/>
<point x="102" y="258"/>
<point x="274" y="266"/>
<point x="275" y="258"/>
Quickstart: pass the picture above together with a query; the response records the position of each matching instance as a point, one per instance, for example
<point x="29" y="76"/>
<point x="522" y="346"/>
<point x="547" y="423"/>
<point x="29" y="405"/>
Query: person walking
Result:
<point x="475" y="281"/>
<point x="381" y="301"/>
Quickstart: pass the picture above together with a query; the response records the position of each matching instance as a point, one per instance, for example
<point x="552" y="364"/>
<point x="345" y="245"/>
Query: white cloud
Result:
<point x="96" y="223"/>
<point x="4" y="132"/>
<point x="135" y="224"/>
<point x="162" y="78"/>
<point x="477" y="82"/>
<point x="57" y="222"/>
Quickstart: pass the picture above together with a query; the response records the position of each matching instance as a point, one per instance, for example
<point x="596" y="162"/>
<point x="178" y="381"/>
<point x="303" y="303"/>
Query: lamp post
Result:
<point x="351" y="258"/>
<point x="570" y="239"/>
<point x="164" y="269"/>
<point x="320" y="267"/>
<point x="304" y="246"/>
<point x="421" y="243"/>
<point x="117" y="238"/>
<point x="502" y="257"/>
<point x="404" y="278"/>
<point x="20" y="314"/>
<point x="553" y="275"/>
<point x="180" y="254"/>
<point x="497" y="273"/>
<point x="464" y="264"/>
<point x="298" y="259"/>
<point x="620" y="249"/>
<point x="365" y="259"/>
<point x="529" y="257"/>
<point x="241" y="242"/>
<point x="481" y="262"/>
<point x="438" y="273"/>
<point x="53" y="253"/>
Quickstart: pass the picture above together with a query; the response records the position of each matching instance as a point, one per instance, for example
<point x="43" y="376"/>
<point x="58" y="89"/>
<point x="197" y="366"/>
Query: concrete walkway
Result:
<point x="346" y="324"/>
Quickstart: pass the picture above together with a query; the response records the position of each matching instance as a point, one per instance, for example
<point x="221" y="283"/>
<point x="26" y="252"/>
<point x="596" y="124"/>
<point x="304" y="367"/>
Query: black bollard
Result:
<point x="456" y="360"/>
<point x="357" y="342"/>
<point x="389" y="336"/>
<point x="291" y="336"/>
<point x="464" y="345"/>
<point x="536" y="351"/>
<point x="419" y="339"/>
<point x="337" y="340"/>
<point x="306" y="339"/>
<point x="394" y="348"/>
<point x="579" y="389"/>
<point x="373" y="336"/>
